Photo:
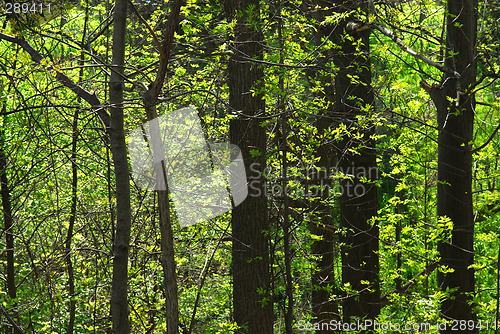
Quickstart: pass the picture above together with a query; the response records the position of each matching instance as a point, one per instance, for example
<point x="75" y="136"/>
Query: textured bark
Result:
<point x="119" y="300"/>
<point x="455" y="111"/>
<point x="252" y="307"/>
<point x="358" y="202"/>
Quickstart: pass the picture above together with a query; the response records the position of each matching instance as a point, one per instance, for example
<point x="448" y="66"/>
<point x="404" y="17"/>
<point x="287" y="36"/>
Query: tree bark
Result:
<point x="455" y="112"/>
<point x="253" y="310"/>
<point x="119" y="300"/>
<point x="357" y="159"/>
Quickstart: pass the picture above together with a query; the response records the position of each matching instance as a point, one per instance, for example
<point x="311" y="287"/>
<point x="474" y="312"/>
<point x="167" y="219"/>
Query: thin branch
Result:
<point x="354" y="27"/>
<point x="488" y="141"/>
<point x="109" y="20"/>
<point x="91" y="98"/>
<point x="148" y="27"/>
<point x="427" y="271"/>
<point x="11" y="321"/>
<point x="484" y="76"/>
<point x="151" y="95"/>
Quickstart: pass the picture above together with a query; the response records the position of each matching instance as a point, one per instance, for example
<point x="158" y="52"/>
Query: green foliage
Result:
<point x="298" y="85"/>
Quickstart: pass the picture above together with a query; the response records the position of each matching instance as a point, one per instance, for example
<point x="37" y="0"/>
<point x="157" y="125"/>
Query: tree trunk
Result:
<point x="74" y="197"/>
<point x="150" y="98"/>
<point x="119" y="300"/>
<point x="455" y="112"/>
<point x="357" y="159"/>
<point x="72" y="219"/>
<point x="7" y="220"/>
<point x="253" y="310"/>
<point x="285" y="221"/>
<point x="324" y="307"/>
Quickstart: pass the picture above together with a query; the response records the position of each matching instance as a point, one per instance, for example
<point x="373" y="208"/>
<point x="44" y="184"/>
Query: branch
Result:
<point x="427" y="271"/>
<point x="151" y="95"/>
<point x="11" y="321"/>
<point x="92" y="99"/>
<point x="488" y="141"/>
<point x="147" y="27"/>
<point x="484" y="76"/>
<point x="487" y="211"/>
<point x="411" y="52"/>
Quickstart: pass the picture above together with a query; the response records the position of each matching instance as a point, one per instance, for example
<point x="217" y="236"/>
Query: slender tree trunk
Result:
<point x="119" y="300"/>
<point x="72" y="219"/>
<point x="167" y="260"/>
<point x="253" y="310"/>
<point x="324" y="307"/>
<point x="7" y="220"/>
<point x="168" y="264"/>
<point x="455" y="110"/>
<point x="285" y="222"/>
<point x="74" y="198"/>
<point x="358" y="202"/>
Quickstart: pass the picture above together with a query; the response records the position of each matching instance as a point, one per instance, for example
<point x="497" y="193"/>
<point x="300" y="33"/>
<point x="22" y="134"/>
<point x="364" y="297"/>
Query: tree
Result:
<point x="252" y="307"/>
<point x="119" y="295"/>
<point x="8" y="226"/>
<point x="455" y="103"/>
<point x="323" y="280"/>
<point x="331" y="103"/>
<point x="354" y="101"/>
<point x="150" y="99"/>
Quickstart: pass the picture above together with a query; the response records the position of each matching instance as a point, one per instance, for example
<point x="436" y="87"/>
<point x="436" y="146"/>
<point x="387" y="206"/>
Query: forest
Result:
<point x="249" y="166"/>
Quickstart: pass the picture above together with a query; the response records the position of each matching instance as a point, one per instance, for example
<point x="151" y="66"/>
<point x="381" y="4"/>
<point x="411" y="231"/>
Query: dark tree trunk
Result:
<point x="357" y="159"/>
<point x="74" y="197"/>
<point x="7" y="220"/>
<point x="72" y="219"/>
<point x="119" y="300"/>
<point x="455" y="112"/>
<point x="168" y="263"/>
<point x="324" y="307"/>
<point x="253" y="310"/>
<point x="285" y="222"/>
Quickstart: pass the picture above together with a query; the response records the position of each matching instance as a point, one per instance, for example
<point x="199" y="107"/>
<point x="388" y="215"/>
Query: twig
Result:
<point x="11" y="321"/>
<point x="406" y="49"/>
<point x="62" y="78"/>
<point x="488" y="141"/>
<point x="427" y="271"/>
<point x="158" y="44"/>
